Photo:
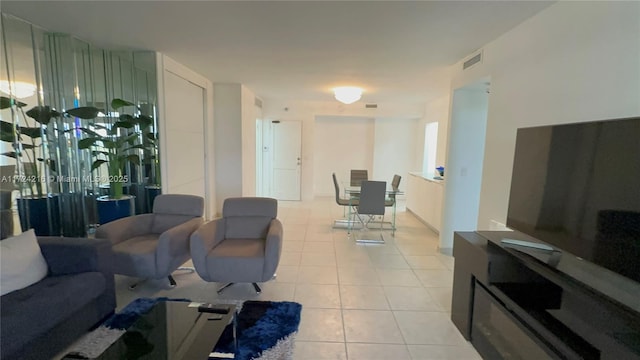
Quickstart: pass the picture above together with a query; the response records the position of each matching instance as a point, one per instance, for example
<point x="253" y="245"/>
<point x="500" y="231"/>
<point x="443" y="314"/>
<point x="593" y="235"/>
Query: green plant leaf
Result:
<point x="42" y="114"/>
<point x="32" y="132"/>
<point x="7" y="131"/>
<point x="109" y="144"/>
<point x="134" y="147"/>
<point x="96" y="164"/>
<point x="131" y="139"/>
<point x="90" y="132"/>
<point x="99" y="126"/>
<point x="7" y="137"/>
<point x="85" y="112"/>
<point x="6" y="103"/>
<point x="144" y="121"/>
<point x="123" y="124"/>
<point x="11" y="154"/>
<point x="127" y="118"/>
<point x="87" y="143"/>
<point x="133" y="158"/>
<point x="119" y="103"/>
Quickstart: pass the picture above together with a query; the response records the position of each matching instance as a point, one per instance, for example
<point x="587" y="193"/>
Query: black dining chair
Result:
<point x="358" y="176"/>
<point x="371" y="204"/>
<point x="395" y="185"/>
<point x="340" y="201"/>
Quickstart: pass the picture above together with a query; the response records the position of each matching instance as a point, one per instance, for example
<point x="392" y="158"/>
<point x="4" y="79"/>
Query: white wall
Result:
<point x="573" y="62"/>
<point x="395" y="148"/>
<point x="340" y="144"/>
<point x="235" y="123"/>
<point x="249" y="115"/>
<point x="306" y="111"/>
<point x="228" y="141"/>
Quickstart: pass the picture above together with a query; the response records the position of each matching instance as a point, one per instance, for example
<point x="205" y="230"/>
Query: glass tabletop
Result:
<point x="348" y="189"/>
<point x="171" y="330"/>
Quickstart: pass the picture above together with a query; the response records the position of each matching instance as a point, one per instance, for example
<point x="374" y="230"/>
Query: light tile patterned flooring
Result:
<point x="367" y="302"/>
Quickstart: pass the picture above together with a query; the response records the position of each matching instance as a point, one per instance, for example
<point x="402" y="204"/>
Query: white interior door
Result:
<point x="287" y="159"/>
<point x="185" y="142"/>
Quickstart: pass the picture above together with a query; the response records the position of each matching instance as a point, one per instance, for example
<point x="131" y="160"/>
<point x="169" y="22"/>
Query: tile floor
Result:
<point x="360" y="301"/>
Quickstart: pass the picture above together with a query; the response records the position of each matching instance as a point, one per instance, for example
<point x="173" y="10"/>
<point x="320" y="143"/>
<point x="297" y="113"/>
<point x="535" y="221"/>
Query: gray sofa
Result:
<point x="39" y="321"/>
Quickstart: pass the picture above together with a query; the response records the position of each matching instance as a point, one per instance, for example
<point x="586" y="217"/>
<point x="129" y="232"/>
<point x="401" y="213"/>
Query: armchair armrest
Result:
<point x="273" y="249"/>
<point x="76" y="255"/>
<point x="122" y="229"/>
<point x="175" y="242"/>
<point x="202" y="241"/>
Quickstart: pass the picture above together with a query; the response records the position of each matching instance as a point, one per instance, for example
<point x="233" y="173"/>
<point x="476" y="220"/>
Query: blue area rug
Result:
<point x="265" y="330"/>
<point x="127" y="316"/>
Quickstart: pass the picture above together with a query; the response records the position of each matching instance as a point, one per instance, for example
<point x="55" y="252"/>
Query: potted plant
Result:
<point x="149" y="162"/>
<point x="38" y="206"/>
<point x="112" y="145"/>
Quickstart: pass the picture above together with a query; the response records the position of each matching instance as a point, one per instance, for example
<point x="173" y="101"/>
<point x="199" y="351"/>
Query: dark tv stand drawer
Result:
<point x="511" y="305"/>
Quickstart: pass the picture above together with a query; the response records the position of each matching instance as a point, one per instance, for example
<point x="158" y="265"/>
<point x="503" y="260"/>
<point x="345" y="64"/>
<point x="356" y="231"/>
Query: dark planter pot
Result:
<point x="152" y="192"/>
<point x="113" y="209"/>
<point x="40" y="214"/>
<point x="6" y="215"/>
<point x="5" y="199"/>
<point x="103" y="190"/>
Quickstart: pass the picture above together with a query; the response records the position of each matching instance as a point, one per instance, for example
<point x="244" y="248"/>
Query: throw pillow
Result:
<point x="21" y="262"/>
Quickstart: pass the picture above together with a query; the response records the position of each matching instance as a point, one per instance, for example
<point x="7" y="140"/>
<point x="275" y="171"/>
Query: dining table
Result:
<point x="353" y="192"/>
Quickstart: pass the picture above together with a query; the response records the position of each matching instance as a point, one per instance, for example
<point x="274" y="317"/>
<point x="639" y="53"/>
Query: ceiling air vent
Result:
<point x="474" y="59"/>
<point x="258" y="103"/>
<point x="371" y="106"/>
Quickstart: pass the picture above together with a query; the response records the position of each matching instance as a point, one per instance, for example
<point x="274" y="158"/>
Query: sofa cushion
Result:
<point x="34" y="310"/>
<point x="21" y="262"/>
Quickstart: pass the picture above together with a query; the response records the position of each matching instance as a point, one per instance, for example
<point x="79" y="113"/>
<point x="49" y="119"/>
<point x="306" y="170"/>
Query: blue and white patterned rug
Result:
<point x="265" y="330"/>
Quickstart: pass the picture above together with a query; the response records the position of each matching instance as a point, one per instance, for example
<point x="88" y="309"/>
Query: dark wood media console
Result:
<point x="515" y="302"/>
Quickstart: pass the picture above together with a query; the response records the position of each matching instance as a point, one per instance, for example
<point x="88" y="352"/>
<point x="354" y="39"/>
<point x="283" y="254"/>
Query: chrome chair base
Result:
<point x="255" y="286"/>
<point x="172" y="281"/>
<point x="135" y="284"/>
<point x="188" y="269"/>
<point x="367" y="236"/>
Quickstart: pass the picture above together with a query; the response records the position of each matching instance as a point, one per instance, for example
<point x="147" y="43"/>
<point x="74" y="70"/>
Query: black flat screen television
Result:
<point x="577" y="187"/>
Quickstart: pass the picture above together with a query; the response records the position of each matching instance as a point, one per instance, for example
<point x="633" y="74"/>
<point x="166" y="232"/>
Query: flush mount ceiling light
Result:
<point x="20" y="89"/>
<point x="347" y="94"/>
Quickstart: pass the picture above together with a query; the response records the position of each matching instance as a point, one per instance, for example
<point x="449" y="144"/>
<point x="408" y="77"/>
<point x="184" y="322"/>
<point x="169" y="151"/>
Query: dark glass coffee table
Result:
<point x="171" y="330"/>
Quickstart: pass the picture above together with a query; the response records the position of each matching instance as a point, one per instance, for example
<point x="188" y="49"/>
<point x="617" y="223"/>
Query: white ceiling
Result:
<point x="397" y="51"/>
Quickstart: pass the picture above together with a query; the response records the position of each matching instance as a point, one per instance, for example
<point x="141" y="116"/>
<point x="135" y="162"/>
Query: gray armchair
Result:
<point x="243" y="246"/>
<point x="152" y="246"/>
